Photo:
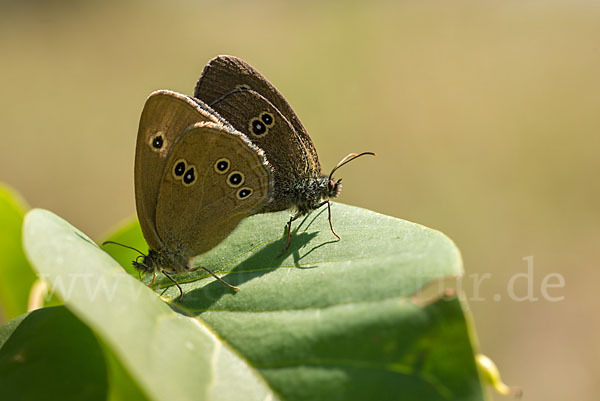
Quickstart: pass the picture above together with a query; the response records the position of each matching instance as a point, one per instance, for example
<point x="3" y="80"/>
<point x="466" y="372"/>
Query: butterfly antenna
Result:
<point x="348" y="159"/>
<point x="124" y="246"/>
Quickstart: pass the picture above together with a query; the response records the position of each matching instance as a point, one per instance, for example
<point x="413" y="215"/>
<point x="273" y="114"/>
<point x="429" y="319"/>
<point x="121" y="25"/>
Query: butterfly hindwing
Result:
<point x="164" y="118"/>
<point x="213" y="178"/>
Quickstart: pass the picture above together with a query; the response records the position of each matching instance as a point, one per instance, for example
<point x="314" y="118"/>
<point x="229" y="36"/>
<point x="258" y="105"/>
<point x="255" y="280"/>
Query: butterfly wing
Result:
<point x="256" y="108"/>
<point x="164" y="118"/>
<point x="267" y="128"/>
<point x="213" y="178"/>
<point x="223" y="74"/>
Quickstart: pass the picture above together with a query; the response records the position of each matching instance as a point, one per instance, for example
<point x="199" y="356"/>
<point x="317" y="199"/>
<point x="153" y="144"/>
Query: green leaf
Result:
<point x="328" y="320"/>
<point x="37" y="360"/>
<point x="172" y="356"/>
<point x="121" y="385"/>
<point x="16" y="276"/>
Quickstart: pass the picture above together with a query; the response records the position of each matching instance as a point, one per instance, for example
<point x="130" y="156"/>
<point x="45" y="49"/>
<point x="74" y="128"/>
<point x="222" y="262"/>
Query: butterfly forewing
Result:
<point x="213" y="178"/>
<point x="164" y="118"/>
<point x="224" y="74"/>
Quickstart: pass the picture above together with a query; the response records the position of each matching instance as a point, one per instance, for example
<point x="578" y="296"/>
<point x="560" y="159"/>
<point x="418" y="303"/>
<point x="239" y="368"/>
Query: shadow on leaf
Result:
<point x="258" y="264"/>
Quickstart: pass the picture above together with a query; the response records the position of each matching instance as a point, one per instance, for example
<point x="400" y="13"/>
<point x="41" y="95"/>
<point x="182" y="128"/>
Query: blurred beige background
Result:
<point x="485" y="116"/>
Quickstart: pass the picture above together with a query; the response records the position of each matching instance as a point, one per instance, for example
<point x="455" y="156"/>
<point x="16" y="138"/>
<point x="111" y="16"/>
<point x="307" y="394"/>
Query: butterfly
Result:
<point x="253" y="106"/>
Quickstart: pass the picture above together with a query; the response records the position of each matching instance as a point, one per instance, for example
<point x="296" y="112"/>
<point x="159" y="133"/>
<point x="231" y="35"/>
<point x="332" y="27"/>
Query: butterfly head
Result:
<point x="333" y="188"/>
<point x="147" y="264"/>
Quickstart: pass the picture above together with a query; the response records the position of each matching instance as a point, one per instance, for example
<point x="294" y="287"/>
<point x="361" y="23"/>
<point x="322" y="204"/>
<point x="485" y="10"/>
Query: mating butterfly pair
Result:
<point x="203" y="163"/>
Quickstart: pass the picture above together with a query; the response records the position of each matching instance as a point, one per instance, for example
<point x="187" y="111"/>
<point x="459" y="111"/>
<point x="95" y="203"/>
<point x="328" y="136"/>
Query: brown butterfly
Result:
<point x="251" y="104"/>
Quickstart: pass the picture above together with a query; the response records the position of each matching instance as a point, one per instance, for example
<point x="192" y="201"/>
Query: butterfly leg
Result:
<point x="153" y="278"/>
<point x="331" y="224"/>
<point x="233" y="287"/>
<point x="176" y="283"/>
<point x="288" y="227"/>
<point x="329" y="216"/>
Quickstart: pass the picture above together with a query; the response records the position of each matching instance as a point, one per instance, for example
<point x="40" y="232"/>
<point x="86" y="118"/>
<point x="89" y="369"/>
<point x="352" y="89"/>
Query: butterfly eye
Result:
<point x="257" y="127"/>
<point x="179" y="168"/>
<point x="190" y="176"/>
<point x="267" y="118"/>
<point x="235" y="179"/>
<point x="222" y="165"/>
<point x="244" y="193"/>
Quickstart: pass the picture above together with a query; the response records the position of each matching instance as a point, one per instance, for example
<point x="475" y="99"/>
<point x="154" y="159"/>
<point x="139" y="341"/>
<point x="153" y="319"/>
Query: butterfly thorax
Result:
<point x="309" y="194"/>
<point x="157" y="261"/>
